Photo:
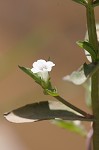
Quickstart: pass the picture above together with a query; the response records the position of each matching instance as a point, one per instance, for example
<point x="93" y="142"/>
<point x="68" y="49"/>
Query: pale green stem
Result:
<point x="95" y="107"/>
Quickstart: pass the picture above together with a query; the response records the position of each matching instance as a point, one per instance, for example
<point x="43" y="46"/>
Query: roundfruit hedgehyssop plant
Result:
<point x="63" y="113"/>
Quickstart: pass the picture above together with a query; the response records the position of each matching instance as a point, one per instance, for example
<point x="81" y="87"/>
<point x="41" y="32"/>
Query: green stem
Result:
<point x="95" y="77"/>
<point x="92" y="27"/>
<point x="95" y="107"/>
<point x="73" y="107"/>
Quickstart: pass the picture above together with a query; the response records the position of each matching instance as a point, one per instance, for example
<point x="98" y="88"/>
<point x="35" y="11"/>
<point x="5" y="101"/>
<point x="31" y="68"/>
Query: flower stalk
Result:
<point x="78" y="110"/>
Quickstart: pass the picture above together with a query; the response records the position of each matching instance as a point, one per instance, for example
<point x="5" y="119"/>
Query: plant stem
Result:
<point x="95" y="107"/>
<point x="92" y="26"/>
<point x="95" y="77"/>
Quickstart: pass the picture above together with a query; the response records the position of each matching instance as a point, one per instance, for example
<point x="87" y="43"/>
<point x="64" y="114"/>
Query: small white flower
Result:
<point x="42" y="67"/>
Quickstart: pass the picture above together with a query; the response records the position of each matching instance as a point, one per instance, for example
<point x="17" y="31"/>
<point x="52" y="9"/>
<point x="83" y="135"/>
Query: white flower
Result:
<point x="42" y="67"/>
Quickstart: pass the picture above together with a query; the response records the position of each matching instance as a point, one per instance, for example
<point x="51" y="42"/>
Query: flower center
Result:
<point x="43" y="68"/>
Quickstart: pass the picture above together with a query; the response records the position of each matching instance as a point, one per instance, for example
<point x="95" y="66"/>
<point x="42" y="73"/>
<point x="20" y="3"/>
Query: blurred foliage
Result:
<point x="73" y="126"/>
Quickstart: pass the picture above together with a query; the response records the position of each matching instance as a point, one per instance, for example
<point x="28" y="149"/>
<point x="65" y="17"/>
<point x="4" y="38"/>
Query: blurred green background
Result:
<point x="31" y="30"/>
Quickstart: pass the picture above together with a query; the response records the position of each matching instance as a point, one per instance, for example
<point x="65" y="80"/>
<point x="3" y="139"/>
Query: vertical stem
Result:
<point x="95" y="107"/>
<point x="92" y="26"/>
<point x="95" y="78"/>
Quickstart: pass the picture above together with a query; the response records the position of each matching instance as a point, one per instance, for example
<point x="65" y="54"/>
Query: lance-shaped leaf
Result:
<point x="82" y="74"/>
<point x="73" y="126"/>
<point x="83" y="2"/>
<point x="30" y="73"/>
<point x="37" y="78"/>
<point x="42" y="111"/>
<point x="88" y="47"/>
<point x="87" y="39"/>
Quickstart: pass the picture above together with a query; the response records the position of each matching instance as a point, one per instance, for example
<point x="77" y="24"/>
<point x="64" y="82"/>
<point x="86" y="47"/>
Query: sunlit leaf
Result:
<point x="73" y="126"/>
<point x="41" y="111"/>
<point x="82" y="74"/>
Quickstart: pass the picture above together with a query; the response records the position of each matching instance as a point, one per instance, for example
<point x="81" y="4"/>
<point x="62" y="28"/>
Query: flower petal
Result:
<point x="35" y="70"/>
<point x="42" y="67"/>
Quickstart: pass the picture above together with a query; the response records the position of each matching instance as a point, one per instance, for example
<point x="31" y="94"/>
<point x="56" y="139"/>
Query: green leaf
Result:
<point x="47" y="86"/>
<point x="41" y="111"/>
<point x="88" y="47"/>
<point x="82" y="74"/>
<point x="87" y="39"/>
<point x="71" y="126"/>
<point x="83" y="2"/>
<point x="37" y="79"/>
<point x="31" y="74"/>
